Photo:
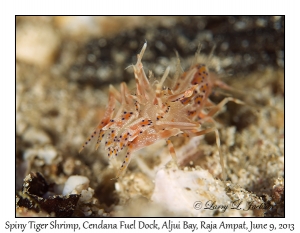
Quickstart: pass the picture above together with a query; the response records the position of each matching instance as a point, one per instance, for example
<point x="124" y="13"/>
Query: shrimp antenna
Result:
<point x="211" y="55"/>
<point x="197" y="54"/>
<point x="128" y="66"/>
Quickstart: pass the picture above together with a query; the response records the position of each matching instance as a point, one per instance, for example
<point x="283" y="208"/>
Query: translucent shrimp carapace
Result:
<point x="154" y="112"/>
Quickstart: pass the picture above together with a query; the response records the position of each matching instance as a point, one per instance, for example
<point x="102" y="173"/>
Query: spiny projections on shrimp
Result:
<point x="155" y="112"/>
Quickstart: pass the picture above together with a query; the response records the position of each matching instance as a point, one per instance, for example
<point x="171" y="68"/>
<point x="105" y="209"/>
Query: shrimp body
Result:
<point x="154" y="113"/>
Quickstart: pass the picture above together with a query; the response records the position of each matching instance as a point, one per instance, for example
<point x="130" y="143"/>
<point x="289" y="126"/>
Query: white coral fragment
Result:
<point x="75" y="184"/>
<point x="178" y="191"/>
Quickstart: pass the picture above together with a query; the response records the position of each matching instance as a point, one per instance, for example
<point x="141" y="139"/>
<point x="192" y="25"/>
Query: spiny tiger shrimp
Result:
<point x="154" y="112"/>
